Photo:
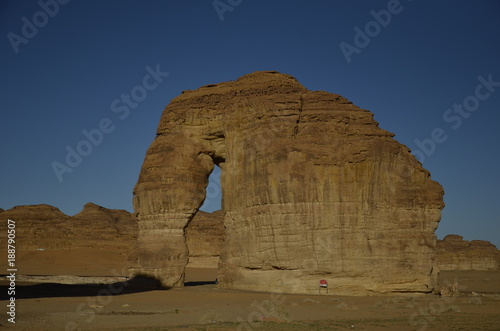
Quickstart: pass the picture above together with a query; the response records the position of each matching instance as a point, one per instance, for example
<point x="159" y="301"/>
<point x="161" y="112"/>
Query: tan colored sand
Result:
<point x="78" y="262"/>
<point x="56" y="307"/>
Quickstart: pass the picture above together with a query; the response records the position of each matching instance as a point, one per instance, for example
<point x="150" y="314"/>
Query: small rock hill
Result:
<point x="46" y="227"/>
<point x="455" y="253"/>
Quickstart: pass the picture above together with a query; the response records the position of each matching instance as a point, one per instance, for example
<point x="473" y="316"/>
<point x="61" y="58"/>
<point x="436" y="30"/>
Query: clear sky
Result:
<point x="70" y="70"/>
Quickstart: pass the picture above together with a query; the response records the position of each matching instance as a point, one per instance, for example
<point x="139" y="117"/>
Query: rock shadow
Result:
<point x="137" y="284"/>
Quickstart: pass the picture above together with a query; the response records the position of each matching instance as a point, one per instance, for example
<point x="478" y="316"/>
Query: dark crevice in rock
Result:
<point x="296" y="129"/>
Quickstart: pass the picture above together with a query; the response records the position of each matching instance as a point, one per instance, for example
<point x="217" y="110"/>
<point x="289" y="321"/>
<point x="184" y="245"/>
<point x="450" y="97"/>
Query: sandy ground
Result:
<point x="125" y="306"/>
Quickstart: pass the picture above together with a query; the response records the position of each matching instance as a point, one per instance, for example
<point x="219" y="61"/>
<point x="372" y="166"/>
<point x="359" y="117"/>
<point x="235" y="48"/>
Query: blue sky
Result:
<point x="64" y="67"/>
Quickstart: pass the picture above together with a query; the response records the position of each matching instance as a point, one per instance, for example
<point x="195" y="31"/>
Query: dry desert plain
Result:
<point x="66" y="303"/>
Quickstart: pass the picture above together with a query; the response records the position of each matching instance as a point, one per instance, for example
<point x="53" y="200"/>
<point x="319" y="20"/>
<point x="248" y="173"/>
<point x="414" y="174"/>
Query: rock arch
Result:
<point x="313" y="189"/>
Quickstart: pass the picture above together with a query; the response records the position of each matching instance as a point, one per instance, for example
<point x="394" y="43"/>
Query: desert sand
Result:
<point x="42" y="304"/>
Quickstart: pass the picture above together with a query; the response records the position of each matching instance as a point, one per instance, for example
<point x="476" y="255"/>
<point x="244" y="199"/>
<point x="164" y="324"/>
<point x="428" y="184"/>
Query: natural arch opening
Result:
<point x="213" y="192"/>
<point x="205" y="235"/>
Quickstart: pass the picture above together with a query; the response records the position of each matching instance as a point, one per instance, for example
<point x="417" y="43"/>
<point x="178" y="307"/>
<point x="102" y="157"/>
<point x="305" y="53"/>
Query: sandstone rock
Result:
<point x="454" y="253"/>
<point x="46" y="227"/>
<point x="37" y="226"/>
<point x="205" y="239"/>
<point x="312" y="189"/>
<point x="40" y="212"/>
<point x="95" y="213"/>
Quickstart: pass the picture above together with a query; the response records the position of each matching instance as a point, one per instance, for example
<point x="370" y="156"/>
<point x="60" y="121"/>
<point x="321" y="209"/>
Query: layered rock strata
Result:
<point x="455" y="253"/>
<point x="46" y="227"/>
<point x="312" y="189"/>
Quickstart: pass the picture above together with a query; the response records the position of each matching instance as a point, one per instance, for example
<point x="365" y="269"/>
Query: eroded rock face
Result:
<point x="312" y="189"/>
<point x="454" y="253"/>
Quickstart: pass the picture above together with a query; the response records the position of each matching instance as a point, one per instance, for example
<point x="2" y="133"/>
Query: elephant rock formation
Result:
<point x="312" y="189"/>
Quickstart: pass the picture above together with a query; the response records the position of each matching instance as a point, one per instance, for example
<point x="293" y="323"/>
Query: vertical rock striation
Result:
<point x="312" y="189"/>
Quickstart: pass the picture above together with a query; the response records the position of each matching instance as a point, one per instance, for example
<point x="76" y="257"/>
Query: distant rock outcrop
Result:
<point x="454" y="253"/>
<point x="205" y="239"/>
<point x="313" y="189"/>
<point x="46" y="227"/>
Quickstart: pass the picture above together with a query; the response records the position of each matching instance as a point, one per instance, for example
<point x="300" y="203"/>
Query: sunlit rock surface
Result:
<point x="312" y="189"/>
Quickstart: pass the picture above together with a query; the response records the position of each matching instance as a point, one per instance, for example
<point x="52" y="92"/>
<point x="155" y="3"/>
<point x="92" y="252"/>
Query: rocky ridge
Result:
<point x="455" y="253"/>
<point x="46" y="227"/>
